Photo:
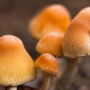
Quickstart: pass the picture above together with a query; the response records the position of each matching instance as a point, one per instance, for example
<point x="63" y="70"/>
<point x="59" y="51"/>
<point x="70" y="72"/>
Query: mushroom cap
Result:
<point x="48" y="63"/>
<point x="54" y="18"/>
<point x="16" y="65"/>
<point x="76" y="41"/>
<point x="50" y="43"/>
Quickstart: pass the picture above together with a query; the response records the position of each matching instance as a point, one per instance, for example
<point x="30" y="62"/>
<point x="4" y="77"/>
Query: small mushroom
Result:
<point x="49" y="66"/>
<point x="75" y="45"/>
<point x="54" y="18"/>
<point x="16" y="65"/>
<point x="50" y="43"/>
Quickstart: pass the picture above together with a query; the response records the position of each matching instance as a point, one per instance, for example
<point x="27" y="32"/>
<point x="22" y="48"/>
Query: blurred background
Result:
<point x="15" y="16"/>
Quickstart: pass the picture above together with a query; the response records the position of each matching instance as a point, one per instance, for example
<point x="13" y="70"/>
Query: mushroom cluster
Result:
<point x="57" y="36"/>
<point x="16" y="65"/>
<point x="49" y="27"/>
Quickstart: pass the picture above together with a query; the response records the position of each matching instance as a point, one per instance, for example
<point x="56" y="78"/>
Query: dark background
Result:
<point x="15" y="16"/>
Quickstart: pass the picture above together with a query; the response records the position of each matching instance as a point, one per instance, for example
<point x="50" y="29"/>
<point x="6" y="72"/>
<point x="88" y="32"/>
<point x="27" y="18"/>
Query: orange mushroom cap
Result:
<point x="50" y="43"/>
<point x="16" y="65"/>
<point x="48" y="63"/>
<point x="54" y="18"/>
<point x="76" y="41"/>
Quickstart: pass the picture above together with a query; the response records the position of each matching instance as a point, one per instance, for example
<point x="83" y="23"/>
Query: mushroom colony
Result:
<point x="57" y="36"/>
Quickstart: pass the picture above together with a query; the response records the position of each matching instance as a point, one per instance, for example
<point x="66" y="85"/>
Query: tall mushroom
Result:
<point x="54" y="18"/>
<point x="16" y="65"/>
<point x="49" y="66"/>
<point x="76" y="44"/>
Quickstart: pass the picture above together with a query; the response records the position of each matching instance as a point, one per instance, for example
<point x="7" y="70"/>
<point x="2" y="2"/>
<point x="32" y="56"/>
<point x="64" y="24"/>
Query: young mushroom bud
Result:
<point x="16" y="66"/>
<point x="76" y="44"/>
<point x="54" y="18"/>
<point x="49" y="66"/>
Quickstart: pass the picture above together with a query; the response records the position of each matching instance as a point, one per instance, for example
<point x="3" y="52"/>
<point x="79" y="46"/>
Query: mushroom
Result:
<point x="49" y="66"/>
<point x="16" y="65"/>
<point x="50" y="43"/>
<point x="54" y="18"/>
<point x="75" y="45"/>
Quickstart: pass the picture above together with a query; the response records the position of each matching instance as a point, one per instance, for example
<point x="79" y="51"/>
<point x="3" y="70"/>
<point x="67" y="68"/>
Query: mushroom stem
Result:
<point x="45" y="80"/>
<point x="68" y="75"/>
<point x="11" y="88"/>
